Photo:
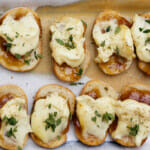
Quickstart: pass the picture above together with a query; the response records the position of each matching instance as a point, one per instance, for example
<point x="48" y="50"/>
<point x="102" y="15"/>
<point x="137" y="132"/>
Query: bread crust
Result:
<point x="129" y="142"/>
<point x="114" y="66"/>
<point x="14" y="91"/>
<point x="17" y="13"/>
<point x="59" y="70"/>
<point x="102" y="89"/>
<point x="69" y="96"/>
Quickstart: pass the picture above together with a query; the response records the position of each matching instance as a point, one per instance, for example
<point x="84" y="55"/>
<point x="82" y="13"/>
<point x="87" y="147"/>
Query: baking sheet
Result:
<point x="42" y="74"/>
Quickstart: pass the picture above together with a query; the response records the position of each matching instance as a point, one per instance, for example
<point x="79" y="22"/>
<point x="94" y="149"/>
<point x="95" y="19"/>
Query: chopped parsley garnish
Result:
<point x="148" y="21"/>
<point x="147" y="41"/>
<point x="19" y="148"/>
<point x="146" y="31"/>
<point x="37" y="55"/>
<point x="11" y="121"/>
<point x="140" y="29"/>
<point x="97" y="113"/>
<point x="84" y="23"/>
<point x="58" y="137"/>
<point x="108" y="28"/>
<point x="133" y="130"/>
<point x="61" y="42"/>
<point x="8" y="38"/>
<point x="8" y="46"/>
<point x="27" y="61"/>
<point x="49" y="106"/>
<point x="103" y="43"/>
<point x="55" y="114"/>
<point x="68" y="29"/>
<point x="80" y="72"/>
<point x="94" y="119"/>
<point x="117" y="50"/>
<point x="28" y="53"/>
<point x="11" y="132"/>
<point x="23" y="44"/>
<point x="117" y="30"/>
<point x="18" y="56"/>
<point x="17" y="35"/>
<point x="20" y="107"/>
<point x="108" y="116"/>
<point x="51" y="122"/>
<point x="77" y="83"/>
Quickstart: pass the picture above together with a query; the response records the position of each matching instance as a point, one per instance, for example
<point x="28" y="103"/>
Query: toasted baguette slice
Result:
<point x="144" y="66"/>
<point x="116" y="63"/>
<point x="95" y="89"/>
<point x="140" y="93"/>
<point x="9" y="61"/>
<point x="65" y="93"/>
<point x="66" y="73"/>
<point x="7" y="92"/>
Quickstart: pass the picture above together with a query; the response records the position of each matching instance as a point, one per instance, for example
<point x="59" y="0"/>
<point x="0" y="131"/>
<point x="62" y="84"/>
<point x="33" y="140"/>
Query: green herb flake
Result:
<point x="108" y="28"/>
<point x="97" y="113"/>
<point x="148" y="21"/>
<point x="8" y="38"/>
<point x="19" y="148"/>
<point x="8" y="46"/>
<point x="11" y="132"/>
<point x="94" y="119"/>
<point x="59" y="41"/>
<point x="11" y="121"/>
<point x="37" y="55"/>
<point x="147" y="41"/>
<point x="18" y="56"/>
<point x="146" y="31"/>
<point x="20" y="107"/>
<point x="103" y="43"/>
<point x="55" y="114"/>
<point x="117" y="50"/>
<point x="108" y="116"/>
<point x="27" y="61"/>
<point x="68" y="29"/>
<point x="76" y="83"/>
<point x="117" y="30"/>
<point x="58" y="121"/>
<point x="84" y="23"/>
<point x="23" y="44"/>
<point x="49" y="106"/>
<point x="140" y="29"/>
<point x="58" y="137"/>
<point x="70" y="116"/>
<point x="17" y="35"/>
<point x="133" y="130"/>
<point x="80" y="72"/>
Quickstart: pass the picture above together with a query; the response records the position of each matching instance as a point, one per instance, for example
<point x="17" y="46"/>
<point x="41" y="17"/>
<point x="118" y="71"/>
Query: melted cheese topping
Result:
<point x="15" y="108"/>
<point x="131" y="113"/>
<point x="116" y="40"/>
<point x="23" y="34"/>
<point x="86" y="107"/>
<point x="140" y="38"/>
<point x="41" y="112"/>
<point x="63" y="30"/>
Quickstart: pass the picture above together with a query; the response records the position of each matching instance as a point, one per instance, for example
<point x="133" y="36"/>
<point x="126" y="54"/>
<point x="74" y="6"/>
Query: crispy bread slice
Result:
<point x="140" y="93"/>
<point x="7" y="92"/>
<point x="10" y="62"/>
<point x="116" y="63"/>
<point x="68" y="74"/>
<point x="95" y="89"/>
<point x="65" y="93"/>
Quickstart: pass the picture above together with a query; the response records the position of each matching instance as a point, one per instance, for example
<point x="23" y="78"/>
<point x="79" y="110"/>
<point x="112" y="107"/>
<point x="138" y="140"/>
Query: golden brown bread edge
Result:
<point x="13" y="91"/>
<point x="18" y="13"/>
<point x="59" y="70"/>
<point x="67" y="94"/>
<point x="128" y="88"/>
<point x="107" y="15"/>
<point x="101" y="89"/>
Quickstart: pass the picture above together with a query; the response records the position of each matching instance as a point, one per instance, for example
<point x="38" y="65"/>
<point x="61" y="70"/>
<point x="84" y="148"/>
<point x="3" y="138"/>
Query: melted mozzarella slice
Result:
<point x="132" y="114"/>
<point x="43" y="107"/>
<point x="91" y="113"/>
<point x="22" y="34"/>
<point x="111" y="38"/>
<point x="61" y="36"/>
<point x="15" y="108"/>
<point x="142" y="40"/>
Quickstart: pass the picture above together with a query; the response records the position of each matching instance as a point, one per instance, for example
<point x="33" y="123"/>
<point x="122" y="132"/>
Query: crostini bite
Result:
<point x="94" y="112"/>
<point x="15" y="124"/>
<point x="20" y="39"/>
<point x="132" y="124"/>
<point x="70" y="57"/>
<point x="141" y="36"/>
<point x="112" y="36"/>
<point x="52" y="110"/>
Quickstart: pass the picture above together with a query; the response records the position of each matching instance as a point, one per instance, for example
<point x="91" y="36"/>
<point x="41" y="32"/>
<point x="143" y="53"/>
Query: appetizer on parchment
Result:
<point x="112" y="36"/>
<point x="51" y="114"/>
<point x="70" y="57"/>
<point x="20" y="39"/>
<point x="15" y="124"/>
